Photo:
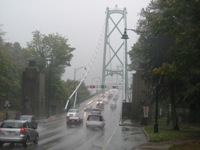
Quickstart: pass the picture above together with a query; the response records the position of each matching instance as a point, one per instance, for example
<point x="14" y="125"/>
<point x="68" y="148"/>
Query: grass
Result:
<point x="192" y="145"/>
<point x="187" y="138"/>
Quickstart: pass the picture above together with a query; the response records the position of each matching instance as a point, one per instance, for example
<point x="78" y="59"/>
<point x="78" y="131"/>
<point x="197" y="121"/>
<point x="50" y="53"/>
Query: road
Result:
<point x="55" y="135"/>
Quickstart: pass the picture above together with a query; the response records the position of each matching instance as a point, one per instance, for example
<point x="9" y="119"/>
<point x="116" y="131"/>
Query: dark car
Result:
<point x="31" y="119"/>
<point x="100" y="106"/>
<point x="74" y="121"/>
<point x="18" y="131"/>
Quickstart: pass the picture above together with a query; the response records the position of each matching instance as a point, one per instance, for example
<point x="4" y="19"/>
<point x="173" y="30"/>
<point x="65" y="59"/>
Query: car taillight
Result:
<point x="22" y="130"/>
<point x="77" y="120"/>
<point x="68" y="120"/>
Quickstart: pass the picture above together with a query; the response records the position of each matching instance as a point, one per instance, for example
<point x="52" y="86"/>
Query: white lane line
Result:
<point x="110" y="138"/>
<point x="89" y="102"/>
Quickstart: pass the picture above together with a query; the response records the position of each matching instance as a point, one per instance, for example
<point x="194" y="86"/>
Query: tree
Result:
<point x="52" y="54"/>
<point x="9" y="74"/>
<point x="180" y="19"/>
<point x="176" y="26"/>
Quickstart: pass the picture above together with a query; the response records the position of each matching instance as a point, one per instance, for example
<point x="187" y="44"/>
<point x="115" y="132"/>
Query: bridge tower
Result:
<point x="115" y="50"/>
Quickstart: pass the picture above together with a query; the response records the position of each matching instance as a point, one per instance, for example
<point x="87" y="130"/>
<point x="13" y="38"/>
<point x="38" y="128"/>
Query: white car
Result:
<point x="72" y="112"/>
<point x="99" y="101"/>
<point x="95" y="121"/>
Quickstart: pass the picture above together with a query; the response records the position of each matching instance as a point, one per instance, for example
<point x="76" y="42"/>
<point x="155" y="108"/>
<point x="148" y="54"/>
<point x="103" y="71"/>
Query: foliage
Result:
<point x="52" y="54"/>
<point x="11" y="66"/>
<point x="51" y="50"/>
<point x="167" y="48"/>
<point x="180" y="19"/>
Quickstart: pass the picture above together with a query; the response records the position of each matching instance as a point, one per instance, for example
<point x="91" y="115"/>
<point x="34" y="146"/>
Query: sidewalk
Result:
<point x="148" y="145"/>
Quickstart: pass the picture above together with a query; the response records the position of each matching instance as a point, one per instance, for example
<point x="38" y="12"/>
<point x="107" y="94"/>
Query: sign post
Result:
<point x="6" y="106"/>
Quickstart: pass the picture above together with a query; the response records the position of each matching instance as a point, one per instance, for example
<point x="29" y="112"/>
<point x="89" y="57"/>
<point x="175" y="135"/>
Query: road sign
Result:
<point x="145" y="108"/>
<point x="7" y="104"/>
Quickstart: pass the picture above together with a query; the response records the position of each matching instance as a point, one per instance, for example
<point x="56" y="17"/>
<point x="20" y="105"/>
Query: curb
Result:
<point x="145" y="134"/>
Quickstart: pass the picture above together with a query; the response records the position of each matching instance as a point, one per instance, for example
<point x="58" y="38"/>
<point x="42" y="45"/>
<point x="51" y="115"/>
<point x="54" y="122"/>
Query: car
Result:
<point x="18" y="131"/>
<point x="96" y="111"/>
<point x="31" y="119"/>
<point x="95" y="121"/>
<point x="72" y="112"/>
<point x="99" y="101"/>
<point x="100" y="106"/>
<point x="74" y="121"/>
<point x="88" y="108"/>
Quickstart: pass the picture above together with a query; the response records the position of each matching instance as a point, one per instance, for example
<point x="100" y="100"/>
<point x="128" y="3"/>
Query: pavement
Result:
<point x="127" y="122"/>
<point x="148" y="145"/>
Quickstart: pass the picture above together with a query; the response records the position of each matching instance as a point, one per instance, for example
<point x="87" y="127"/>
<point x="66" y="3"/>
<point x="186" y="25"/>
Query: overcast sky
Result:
<point x="80" y="21"/>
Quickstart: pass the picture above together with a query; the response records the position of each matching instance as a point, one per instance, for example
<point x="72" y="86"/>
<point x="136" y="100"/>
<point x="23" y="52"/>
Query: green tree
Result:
<point x="179" y="75"/>
<point x="181" y="20"/>
<point x="52" y="54"/>
<point x="9" y="74"/>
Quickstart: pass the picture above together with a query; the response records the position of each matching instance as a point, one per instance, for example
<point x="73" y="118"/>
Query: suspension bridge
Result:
<point x="114" y="67"/>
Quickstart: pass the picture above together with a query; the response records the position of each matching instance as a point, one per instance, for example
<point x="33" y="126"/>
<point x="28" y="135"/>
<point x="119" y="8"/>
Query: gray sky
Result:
<point x="80" y="21"/>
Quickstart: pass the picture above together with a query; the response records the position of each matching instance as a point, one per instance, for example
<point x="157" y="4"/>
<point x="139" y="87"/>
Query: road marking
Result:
<point x="89" y="102"/>
<point x="110" y="138"/>
<point x="48" y="145"/>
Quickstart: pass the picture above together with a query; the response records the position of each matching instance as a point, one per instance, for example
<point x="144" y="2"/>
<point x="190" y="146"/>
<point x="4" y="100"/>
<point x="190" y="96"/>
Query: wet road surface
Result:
<point x="55" y="135"/>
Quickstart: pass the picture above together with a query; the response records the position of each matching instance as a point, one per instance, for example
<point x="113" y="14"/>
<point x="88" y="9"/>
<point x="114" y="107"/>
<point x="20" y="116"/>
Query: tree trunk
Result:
<point x="173" y="108"/>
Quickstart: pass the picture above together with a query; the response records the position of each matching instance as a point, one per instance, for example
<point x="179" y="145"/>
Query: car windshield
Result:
<point x="73" y="118"/>
<point x="25" y="118"/>
<point x="72" y="110"/>
<point x="94" y="118"/>
<point x="11" y="125"/>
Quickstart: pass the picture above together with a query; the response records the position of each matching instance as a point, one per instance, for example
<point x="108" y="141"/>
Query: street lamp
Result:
<point x="75" y="71"/>
<point x="49" y="87"/>
<point x="125" y="36"/>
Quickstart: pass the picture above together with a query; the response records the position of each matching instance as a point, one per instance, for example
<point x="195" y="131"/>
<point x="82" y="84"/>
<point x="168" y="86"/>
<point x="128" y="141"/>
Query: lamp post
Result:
<point x="49" y="88"/>
<point x="75" y="71"/>
<point x="125" y="36"/>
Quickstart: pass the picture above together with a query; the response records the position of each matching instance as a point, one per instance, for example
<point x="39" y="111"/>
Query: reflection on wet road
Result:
<point x="55" y="135"/>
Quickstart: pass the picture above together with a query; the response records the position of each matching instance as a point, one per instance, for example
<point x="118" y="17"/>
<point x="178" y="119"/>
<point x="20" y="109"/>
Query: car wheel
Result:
<point x="36" y="140"/>
<point x="26" y="142"/>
